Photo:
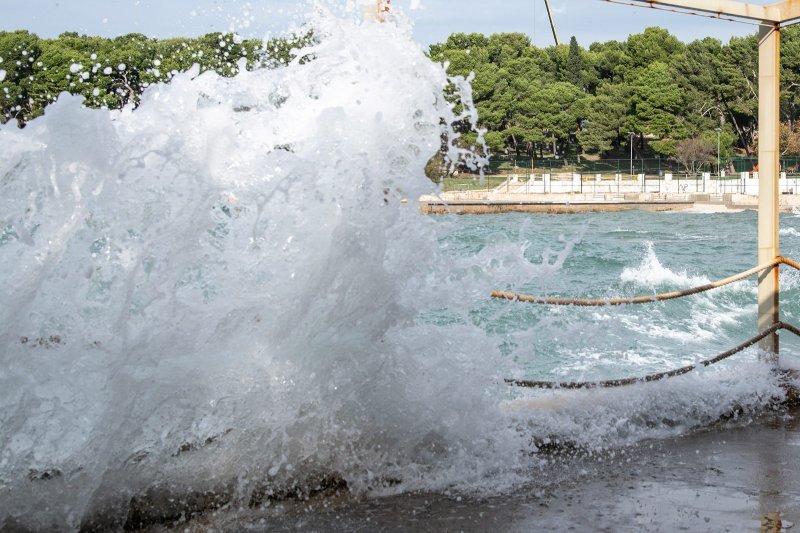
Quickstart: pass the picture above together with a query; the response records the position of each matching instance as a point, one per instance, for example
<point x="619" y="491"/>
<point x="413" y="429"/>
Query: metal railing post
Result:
<point x="769" y="47"/>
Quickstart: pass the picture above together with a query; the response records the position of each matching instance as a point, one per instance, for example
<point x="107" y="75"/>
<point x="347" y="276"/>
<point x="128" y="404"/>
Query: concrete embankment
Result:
<point x="483" y="202"/>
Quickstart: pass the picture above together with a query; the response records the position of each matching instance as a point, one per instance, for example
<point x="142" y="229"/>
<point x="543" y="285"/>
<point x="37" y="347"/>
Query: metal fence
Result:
<point x="524" y="167"/>
<point x="643" y="174"/>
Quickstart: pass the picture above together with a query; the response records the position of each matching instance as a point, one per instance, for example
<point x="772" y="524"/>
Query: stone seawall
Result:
<point x="477" y="208"/>
<point x="483" y="202"/>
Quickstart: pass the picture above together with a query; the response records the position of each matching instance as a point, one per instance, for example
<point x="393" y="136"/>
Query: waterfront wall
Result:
<point x="482" y="202"/>
<point x="739" y="183"/>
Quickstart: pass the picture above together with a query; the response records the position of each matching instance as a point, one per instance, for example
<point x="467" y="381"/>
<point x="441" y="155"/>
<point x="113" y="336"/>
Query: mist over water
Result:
<point x="224" y="291"/>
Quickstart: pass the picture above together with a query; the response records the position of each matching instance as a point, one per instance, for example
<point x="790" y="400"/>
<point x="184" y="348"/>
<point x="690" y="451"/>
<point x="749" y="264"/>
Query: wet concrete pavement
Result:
<point x="721" y="479"/>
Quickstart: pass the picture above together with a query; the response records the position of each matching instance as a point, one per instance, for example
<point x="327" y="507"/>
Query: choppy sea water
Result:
<point x="221" y="298"/>
<point x="616" y="255"/>
<point x="619" y="255"/>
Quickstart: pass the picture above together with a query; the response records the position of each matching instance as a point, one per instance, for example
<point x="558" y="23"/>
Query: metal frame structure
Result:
<point x="778" y="13"/>
<point x="552" y="24"/>
<point x="382" y="7"/>
<point x="770" y="19"/>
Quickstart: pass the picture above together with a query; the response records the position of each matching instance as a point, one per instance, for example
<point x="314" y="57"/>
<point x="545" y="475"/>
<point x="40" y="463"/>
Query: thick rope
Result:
<point x="658" y="375"/>
<point x="650" y="298"/>
<point x="791" y="263"/>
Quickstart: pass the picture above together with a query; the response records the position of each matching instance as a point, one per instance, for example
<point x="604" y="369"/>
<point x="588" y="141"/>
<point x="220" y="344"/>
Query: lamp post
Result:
<point x="719" y="169"/>
<point x="630" y="133"/>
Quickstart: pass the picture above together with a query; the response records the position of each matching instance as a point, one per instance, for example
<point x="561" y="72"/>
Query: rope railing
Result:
<point x="648" y="298"/>
<point x="777" y="326"/>
<point x="656" y="376"/>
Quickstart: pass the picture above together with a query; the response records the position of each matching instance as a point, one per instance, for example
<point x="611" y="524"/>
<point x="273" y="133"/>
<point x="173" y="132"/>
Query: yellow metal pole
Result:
<point x="769" y="47"/>
<point x="552" y="24"/>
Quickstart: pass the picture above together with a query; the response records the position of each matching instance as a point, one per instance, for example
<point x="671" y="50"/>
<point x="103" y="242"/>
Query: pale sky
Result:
<point x="434" y="20"/>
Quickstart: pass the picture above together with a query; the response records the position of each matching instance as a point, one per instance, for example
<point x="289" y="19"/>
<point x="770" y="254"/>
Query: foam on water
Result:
<point x="651" y="273"/>
<point x="596" y="418"/>
<point x="223" y="291"/>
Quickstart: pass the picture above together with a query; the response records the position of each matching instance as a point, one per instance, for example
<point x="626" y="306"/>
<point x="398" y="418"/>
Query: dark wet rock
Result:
<point x="44" y="475"/>
<point x="192" y="446"/>
<point x="160" y="506"/>
<point x="137" y="457"/>
<point x="268" y="493"/>
<point x="12" y="525"/>
<point x="47" y="342"/>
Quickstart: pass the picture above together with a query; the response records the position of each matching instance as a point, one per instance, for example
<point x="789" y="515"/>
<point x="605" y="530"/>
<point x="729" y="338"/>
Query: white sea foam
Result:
<point x="651" y="273"/>
<point x="593" y="418"/>
<point x="789" y="278"/>
<point x="230" y="267"/>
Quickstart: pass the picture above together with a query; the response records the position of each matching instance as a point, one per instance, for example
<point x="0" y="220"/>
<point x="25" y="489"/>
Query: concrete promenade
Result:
<point x="734" y="477"/>
<point x="575" y="193"/>
<point x="500" y="201"/>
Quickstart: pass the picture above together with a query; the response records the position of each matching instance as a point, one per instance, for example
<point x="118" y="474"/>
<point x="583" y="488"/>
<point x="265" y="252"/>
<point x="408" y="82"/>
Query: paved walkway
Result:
<point x="723" y="479"/>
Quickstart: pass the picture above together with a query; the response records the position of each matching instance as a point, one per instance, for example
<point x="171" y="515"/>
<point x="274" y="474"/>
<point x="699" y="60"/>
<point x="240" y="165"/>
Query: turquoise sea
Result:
<point x="605" y="255"/>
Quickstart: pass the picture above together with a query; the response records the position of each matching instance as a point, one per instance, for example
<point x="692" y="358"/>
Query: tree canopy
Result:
<point x="651" y="90"/>
<point x="113" y="72"/>
<point x="568" y="100"/>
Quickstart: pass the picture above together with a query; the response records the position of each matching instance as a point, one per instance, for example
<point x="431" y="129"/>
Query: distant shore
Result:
<point x="489" y="202"/>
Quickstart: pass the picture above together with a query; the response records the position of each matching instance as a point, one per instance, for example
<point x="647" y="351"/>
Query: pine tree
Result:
<point x="573" y="74"/>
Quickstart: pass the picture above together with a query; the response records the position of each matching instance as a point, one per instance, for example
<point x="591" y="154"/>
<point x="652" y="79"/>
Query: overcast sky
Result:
<point x="588" y="20"/>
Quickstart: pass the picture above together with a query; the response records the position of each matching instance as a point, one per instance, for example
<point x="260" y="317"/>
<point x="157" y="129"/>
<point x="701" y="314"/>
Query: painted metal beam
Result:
<point x="769" y="61"/>
<point x="789" y="10"/>
<point x="731" y="8"/>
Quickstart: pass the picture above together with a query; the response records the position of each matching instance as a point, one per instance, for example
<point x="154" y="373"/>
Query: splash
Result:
<point x="232" y="268"/>
<point x="593" y="419"/>
<point x="652" y="274"/>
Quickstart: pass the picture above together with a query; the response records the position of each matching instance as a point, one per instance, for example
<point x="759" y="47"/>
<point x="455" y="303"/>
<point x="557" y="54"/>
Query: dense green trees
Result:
<point x="113" y="72"/>
<point x="561" y="100"/>
<point x="570" y="100"/>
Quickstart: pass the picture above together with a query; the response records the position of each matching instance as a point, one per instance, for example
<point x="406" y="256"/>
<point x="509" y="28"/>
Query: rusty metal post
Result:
<point x="769" y="46"/>
<point x="382" y="7"/>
